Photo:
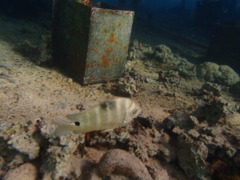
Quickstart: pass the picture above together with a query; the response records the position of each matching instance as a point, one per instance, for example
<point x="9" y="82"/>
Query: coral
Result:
<point x="60" y="155"/>
<point x="22" y="138"/>
<point x="169" y="61"/>
<point x="220" y="74"/>
<point x="117" y="161"/>
<point x="141" y="70"/>
<point x="22" y="142"/>
<point x="214" y="108"/>
<point x="228" y="75"/>
<point x="127" y="85"/>
<point x="138" y="50"/>
<point x="186" y="69"/>
<point x="163" y="54"/>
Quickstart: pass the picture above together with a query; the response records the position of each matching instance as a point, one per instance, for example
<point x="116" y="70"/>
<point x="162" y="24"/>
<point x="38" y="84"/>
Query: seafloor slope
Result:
<point x="188" y="128"/>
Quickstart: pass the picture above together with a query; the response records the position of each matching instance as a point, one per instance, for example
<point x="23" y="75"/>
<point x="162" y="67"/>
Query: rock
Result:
<point x="192" y="158"/>
<point x="234" y="120"/>
<point x="193" y="133"/>
<point x="166" y="153"/>
<point x="220" y="74"/>
<point x="210" y="88"/>
<point x="120" y="162"/>
<point x="180" y="120"/>
<point x="2" y="162"/>
<point x="47" y="176"/>
<point x="26" y="171"/>
<point x="213" y="111"/>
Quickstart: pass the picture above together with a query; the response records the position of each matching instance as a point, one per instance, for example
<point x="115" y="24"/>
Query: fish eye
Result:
<point x="77" y="123"/>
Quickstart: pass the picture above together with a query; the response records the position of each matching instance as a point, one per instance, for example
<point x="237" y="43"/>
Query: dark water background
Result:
<point x="200" y="30"/>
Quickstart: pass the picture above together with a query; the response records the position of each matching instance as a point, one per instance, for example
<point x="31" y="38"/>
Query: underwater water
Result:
<point x="91" y="91"/>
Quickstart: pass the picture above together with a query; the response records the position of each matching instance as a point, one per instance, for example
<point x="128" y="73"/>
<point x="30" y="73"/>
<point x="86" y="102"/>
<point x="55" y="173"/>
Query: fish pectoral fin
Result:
<point x="107" y="130"/>
<point x="127" y="119"/>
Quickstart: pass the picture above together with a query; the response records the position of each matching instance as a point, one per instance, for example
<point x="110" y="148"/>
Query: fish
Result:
<point x="105" y="116"/>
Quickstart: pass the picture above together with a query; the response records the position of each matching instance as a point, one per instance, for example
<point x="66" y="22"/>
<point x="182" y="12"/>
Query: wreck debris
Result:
<point x="99" y="38"/>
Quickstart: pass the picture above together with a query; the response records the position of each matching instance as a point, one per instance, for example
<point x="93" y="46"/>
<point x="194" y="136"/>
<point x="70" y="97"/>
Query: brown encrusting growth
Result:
<point x="120" y="162"/>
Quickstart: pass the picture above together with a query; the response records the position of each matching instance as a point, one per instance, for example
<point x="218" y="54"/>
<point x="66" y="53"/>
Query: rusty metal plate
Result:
<point x="91" y="42"/>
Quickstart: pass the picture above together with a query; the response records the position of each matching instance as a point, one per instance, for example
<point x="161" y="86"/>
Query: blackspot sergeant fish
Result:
<point x="105" y="116"/>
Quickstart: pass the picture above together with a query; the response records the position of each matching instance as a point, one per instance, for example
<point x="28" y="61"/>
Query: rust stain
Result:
<point x="90" y="65"/>
<point x="86" y="2"/>
<point x="105" y="61"/>
<point x="112" y="38"/>
<point x="125" y="47"/>
<point x="119" y="24"/>
<point x="90" y="78"/>
<point x="109" y="50"/>
<point x="116" y="62"/>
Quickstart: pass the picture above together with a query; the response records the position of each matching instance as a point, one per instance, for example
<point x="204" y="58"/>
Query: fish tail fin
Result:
<point x="63" y="129"/>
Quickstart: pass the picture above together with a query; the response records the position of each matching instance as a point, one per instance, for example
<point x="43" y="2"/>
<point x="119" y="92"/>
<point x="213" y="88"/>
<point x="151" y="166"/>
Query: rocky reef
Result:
<point x="188" y="128"/>
<point x="39" y="54"/>
<point x="23" y="143"/>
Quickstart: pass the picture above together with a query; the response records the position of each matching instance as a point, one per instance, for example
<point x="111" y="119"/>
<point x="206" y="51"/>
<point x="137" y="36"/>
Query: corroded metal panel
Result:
<point x="108" y="44"/>
<point x="71" y="24"/>
<point x="91" y="42"/>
